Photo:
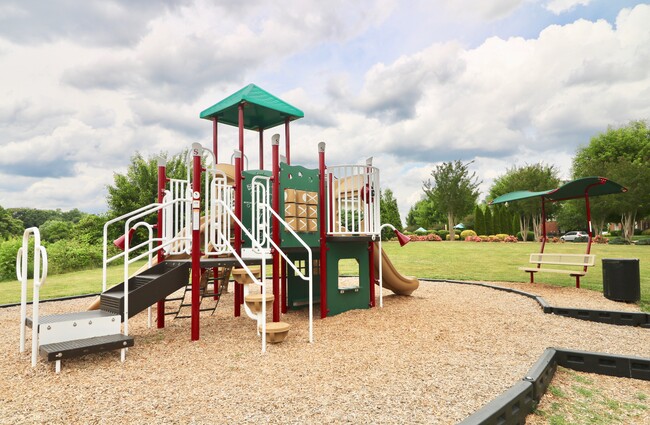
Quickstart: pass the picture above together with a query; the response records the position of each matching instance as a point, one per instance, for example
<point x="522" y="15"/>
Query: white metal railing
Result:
<point x="260" y="216"/>
<point x="176" y="217"/>
<point x="265" y="210"/>
<point x="40" y="274"/>
<point x="218" y="227"/>
<point x="353" y="200"/>
<point x="260" y="282"/>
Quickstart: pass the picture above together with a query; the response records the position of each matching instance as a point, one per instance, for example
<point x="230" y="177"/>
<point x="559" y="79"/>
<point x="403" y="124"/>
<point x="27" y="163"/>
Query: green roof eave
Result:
<point x="262" y="110"/>
<point x="594" y="186"/>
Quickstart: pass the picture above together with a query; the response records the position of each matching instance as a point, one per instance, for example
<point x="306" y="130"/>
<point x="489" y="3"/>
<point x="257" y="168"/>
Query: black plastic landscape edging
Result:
<point x="513" y="405"/>
<point x="47" y="300"/>
<point x="622" y="318"/>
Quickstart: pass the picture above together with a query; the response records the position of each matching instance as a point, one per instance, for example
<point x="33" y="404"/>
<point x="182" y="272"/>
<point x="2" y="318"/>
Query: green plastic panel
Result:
<point x="338" y="302"/>
<point x="299" y="178"/>
<point x="297" y="288"/>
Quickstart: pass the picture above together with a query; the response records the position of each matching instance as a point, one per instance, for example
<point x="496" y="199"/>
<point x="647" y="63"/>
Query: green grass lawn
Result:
<point x="68" y="284"/>
<point x="437" y="260"/>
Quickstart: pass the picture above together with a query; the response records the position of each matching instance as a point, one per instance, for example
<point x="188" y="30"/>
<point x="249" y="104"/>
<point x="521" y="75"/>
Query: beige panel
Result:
<point x="290" y="210"/>
<point x="289" y="195"/>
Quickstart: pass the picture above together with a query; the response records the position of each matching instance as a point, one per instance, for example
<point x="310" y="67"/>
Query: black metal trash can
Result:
<point x="621" y="279"/>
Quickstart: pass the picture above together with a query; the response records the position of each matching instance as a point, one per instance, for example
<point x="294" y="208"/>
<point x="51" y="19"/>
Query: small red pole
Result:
<point x="283" y="285"/>
<point x="261" y="148"/>
<point x="275" y="201"/>
<point x="215" y="144"/>
<point x="196" y="238"/>
<point x="323" y="234"/>
<point x="543" y="228"/>
<point x="287" y="141"/>
<point x="162" y="182"/>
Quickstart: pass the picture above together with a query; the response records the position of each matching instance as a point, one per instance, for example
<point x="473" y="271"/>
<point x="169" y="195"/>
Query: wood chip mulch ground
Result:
<point x="434" y="357"/>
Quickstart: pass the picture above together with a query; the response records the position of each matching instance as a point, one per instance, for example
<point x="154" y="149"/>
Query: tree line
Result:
<point x="621" y="154"/>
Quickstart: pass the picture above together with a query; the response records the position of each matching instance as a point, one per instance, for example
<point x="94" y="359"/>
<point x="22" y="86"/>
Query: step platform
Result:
<point x="74" y="326"/>
<point x="81" y="347"/>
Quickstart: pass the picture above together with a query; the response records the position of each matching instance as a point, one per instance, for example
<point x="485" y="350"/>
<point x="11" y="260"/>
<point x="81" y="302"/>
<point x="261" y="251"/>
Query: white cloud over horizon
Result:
<point x="78" y="100"/>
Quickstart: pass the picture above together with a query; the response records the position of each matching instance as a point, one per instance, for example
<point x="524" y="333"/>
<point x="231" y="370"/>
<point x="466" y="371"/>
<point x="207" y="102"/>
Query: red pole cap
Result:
<point x="119" y="242"/>
<point x="402" y="238"/>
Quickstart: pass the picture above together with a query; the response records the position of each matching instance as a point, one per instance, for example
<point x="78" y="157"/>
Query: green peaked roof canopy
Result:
<point x="595" y="186"/>
<point x="262" y="110"/>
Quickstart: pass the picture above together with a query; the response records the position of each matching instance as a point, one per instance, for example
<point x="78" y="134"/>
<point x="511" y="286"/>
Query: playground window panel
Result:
<point x="301" y="265"/>
<point x="348" y="267"/>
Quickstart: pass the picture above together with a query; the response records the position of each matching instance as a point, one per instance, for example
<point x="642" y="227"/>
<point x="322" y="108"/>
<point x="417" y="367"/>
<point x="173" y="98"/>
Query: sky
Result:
<point x="504" y="83"/>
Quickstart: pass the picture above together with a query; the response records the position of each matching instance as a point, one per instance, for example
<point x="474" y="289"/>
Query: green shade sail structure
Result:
<point x="593" y="186"/>
<point x="262" y="110"/>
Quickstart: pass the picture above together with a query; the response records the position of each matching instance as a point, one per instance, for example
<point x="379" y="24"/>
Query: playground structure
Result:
<point x="226" y="219"/>
<point x="577" y="189"/>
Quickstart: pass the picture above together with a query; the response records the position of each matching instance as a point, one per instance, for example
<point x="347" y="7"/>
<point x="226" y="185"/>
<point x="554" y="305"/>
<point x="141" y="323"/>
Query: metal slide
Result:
<point x="394" y="280"/>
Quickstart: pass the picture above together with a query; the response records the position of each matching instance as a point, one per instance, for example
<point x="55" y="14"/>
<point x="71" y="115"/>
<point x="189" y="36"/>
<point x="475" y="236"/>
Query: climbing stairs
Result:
<point x="64" y="336"/>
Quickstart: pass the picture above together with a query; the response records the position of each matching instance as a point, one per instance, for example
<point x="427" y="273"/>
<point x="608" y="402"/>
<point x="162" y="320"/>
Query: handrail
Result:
<point x="295" y="269"/>
<point x="351" y="191"/>
<point x="218" y="222"/>
<point x="39" y="279"/>
<point x="260" y="223"/>
<point x="248" y="271"/>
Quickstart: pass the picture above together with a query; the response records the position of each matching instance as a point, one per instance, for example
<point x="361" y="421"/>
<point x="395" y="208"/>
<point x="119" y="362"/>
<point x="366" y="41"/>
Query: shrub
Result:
<point x="484" y="238"/>
<point x="615" y="233"/>
<point x="510" y="238"/>
<point x="556" y="240"/>
<point x="456" y="237"/>
<point x="531" y="236"/>
<point x="619" y="241"/>
<point x="501" y="236"/>
<point x="432" y="237"/>
<point x="646" y="232"/>
<point x="422" y="232"/>
<point x="581" y="239"/>
<point x="8" y="251"/>
<point x="466" y="233"/>
<point x="493" y="238"/>
<point x="645" y="241"/>
<point x="70" y="255"/>
<point x="443" y="234"/>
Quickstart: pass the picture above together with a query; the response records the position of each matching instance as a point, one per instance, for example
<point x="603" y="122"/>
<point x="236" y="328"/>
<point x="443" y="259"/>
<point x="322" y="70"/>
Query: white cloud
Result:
<point x="561" y="6"/>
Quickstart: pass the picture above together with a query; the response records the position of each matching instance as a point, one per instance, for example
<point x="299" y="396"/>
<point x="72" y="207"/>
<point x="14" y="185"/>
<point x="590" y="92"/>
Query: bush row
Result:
<point x="63" y="256"/>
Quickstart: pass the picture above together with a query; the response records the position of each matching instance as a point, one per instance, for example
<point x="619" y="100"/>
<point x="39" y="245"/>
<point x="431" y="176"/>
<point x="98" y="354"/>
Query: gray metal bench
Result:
<point x="582" y="260"/>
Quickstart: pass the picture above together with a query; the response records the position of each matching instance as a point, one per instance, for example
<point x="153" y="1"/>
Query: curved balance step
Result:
<point x="254" y="302"/>
<point x="240" y="276"/>
<point x="276" y="332"/>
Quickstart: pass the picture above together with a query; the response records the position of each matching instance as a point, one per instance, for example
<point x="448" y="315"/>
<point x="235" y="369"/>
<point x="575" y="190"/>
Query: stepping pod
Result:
<point x="276" y="332"/>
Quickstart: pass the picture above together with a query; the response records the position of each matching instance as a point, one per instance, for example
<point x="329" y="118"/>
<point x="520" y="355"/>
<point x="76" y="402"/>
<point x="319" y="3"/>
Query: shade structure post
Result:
<point x="215" y="139"/>
<point x="261" y="153"/>
<point x="541" y="251"/>
<point x="287" y="140"/>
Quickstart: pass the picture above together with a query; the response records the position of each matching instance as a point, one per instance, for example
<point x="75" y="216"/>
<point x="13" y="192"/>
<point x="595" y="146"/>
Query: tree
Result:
<point x="139" y="186"/>
<point x="55" y="230"/>
<point x="534" y="177"/>
<point x="479" y="220"/>
<point x="454" y="190"/>
<point x="9" y="226"/>
<point x="489" y="221"/>
<point x="389" y="213"/>
<point x="623" y="155"/>
<point x="90" y="230"/>
<point x="423" y="214"/>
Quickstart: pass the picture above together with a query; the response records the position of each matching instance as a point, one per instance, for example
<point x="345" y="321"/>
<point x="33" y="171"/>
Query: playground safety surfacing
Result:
<point x="434" y="357"/>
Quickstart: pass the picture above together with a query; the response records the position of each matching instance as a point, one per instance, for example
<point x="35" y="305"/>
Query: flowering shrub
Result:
<point x="473" y="238"/>
<point x="432" y="237"/>
<point x="424" y="238"/>
<point x="510" y="238"/>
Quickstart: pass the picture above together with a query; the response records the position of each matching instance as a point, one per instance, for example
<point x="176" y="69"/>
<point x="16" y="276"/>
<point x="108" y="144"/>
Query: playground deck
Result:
<point x="434" y="357"/>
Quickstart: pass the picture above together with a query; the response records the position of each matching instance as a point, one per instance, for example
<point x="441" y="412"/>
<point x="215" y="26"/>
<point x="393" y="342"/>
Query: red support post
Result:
<point x="236" y="229"/>
<point x="287" y="141"/>
<point x="261" y="148"/>
<point x="371" y="252"/>
<point x="275" y="204"/>
<point x="543" y="229"/>
<point x="215" y="143"/>
<point x="323" y="233"/>
<point x="283" y="285"/>
<point x="241" y="131"/>
<point x="162" y="182"/>
<point x="196" y="237"/>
